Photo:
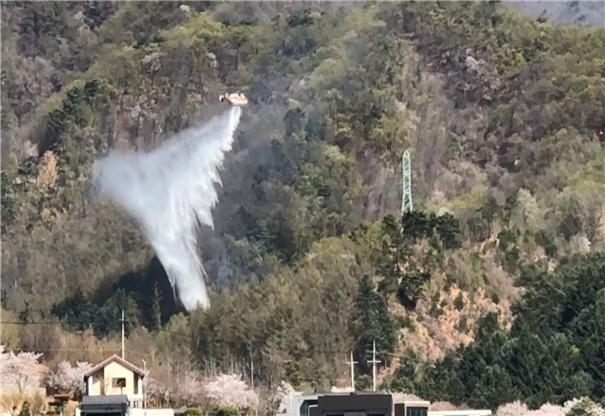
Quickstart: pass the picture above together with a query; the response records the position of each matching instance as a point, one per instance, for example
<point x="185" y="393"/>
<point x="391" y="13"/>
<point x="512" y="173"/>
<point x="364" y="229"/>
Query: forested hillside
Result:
<point x="588" y="13"/>
<point x="490" y="291"/>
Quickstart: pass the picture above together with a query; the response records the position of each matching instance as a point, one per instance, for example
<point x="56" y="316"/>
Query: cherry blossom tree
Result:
<point x="336" y="389"/>
<point x="583" y="407"/>
<point x="19" y="372"/>
<point x="549" y="410"/>
<point x="512" y="409"/>
<point x="191" y="389"/>
<point x="68" y="379"/>
<point x="157" y="392"/>
<point x="229" y="390"/>
<point x="174" y="387"/>
<point x="278" y="398"/>
<point x="575" y="407"/>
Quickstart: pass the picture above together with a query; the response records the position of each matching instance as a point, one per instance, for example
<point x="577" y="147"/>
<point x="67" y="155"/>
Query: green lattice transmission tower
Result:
<point x="406" y="198"/>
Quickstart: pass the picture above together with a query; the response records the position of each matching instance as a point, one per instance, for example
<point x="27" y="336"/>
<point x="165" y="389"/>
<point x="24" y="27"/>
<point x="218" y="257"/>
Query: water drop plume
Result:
<point x="169" y="192"/>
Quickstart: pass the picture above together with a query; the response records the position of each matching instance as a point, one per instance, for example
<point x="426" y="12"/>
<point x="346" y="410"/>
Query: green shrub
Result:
<point x="193" y="411"/>
<point x="227" y="411"/>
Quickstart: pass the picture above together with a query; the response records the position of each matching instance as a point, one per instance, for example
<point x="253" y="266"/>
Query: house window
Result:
<point x="118" y="382"/>
<point x="416" y="411"/>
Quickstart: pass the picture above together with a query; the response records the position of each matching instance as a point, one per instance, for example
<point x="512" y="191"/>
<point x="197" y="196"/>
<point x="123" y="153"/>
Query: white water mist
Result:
<point x="170" y="191"/>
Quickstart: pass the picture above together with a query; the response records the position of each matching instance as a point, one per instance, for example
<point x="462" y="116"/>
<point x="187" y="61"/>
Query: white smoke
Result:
<point x="170" y="191"/>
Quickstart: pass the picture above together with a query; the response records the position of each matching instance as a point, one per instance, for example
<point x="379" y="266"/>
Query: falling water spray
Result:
<point x="170" y="191"/>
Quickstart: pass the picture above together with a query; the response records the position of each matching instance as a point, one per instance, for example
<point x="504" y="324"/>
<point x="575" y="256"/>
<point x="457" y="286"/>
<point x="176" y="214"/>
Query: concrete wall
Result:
<point x="95" y="384"/>
<point x="142" y="412"/>
<point x="150" y="412"/>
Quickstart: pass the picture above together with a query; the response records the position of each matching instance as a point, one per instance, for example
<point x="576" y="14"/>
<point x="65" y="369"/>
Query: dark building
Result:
<point x="356" y="404"/>
<point x="411" y="409"/>
<point x="111" y="405"/>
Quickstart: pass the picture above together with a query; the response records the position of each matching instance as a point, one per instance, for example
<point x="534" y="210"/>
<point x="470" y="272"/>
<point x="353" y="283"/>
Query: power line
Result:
<point x="122" y="321"/>
<point x="184" y="336"/>
<point x="66" y="349"/>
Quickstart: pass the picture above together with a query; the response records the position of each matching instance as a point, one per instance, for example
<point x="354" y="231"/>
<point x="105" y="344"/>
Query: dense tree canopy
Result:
<point x="503" y="115"/>
<point x="553" y="352"/>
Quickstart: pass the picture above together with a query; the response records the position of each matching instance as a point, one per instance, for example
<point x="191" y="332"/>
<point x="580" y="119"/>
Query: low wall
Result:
<point x="144" y="412"/>
<point x="150" y="412"/>
<point x="459" y="413"/>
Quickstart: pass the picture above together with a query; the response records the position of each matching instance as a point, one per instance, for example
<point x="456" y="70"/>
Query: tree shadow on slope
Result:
<point x="145" y="296"/>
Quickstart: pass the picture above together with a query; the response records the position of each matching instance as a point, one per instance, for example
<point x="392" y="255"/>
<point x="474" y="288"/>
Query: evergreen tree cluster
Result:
<point x="393" y="257"/>
<point x="555" y="350"/>
<point x="375" y="325"/>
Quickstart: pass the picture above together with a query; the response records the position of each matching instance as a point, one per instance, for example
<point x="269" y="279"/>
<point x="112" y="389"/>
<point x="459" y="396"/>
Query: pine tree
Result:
<point x="156" y="310"/>
<point x="375" y="324"/>
<point x="494" y="387"/>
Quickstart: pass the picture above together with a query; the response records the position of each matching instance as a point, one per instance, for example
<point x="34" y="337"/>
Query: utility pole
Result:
<point x="406" y="197"/>
<point x="251" y="367"/>
<point x="374" y="362"/>
<point x="144" y="385"/>
<point x="251" y="372"/>
<point x="352" y="363"/>
<point x="122" y="321"/>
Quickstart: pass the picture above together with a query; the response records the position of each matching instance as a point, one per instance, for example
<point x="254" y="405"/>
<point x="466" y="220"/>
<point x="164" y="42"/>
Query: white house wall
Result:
<point x="116" y="370"/>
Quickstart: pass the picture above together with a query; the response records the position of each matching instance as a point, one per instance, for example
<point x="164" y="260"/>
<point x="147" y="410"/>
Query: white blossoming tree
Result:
<point x="575" y="407"/>
<point x="229" y="390"/>
<point x="20" y="372"/>
<point x="191" y="389"/>
<point x="279" y="397"/>
<point x="68" y="379"/>
<point x="174" y="387"/>
<point x="583" y="407"/>
<point x="157" y="392"/>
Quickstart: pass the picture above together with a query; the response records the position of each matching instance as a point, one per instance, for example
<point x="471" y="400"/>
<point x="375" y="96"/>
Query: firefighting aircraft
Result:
<point x="235" y="99"/>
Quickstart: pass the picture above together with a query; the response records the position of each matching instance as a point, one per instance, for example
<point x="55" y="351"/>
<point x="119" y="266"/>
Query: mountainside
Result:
<point x="586" y="13"/>
<point x="504" y="117"/>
